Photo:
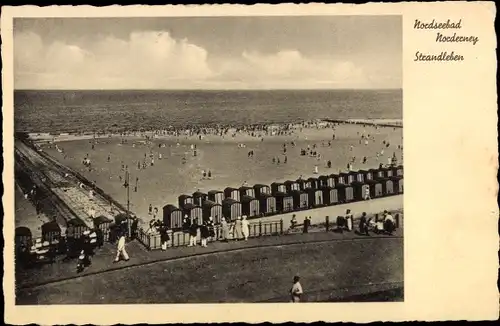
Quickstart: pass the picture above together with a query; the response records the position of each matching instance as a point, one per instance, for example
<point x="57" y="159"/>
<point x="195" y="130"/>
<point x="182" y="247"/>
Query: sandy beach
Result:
<point x="179" y="171"/>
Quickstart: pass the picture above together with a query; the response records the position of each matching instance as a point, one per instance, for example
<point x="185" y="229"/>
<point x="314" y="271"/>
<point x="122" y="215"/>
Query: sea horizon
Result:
<point x="121" y="110"/>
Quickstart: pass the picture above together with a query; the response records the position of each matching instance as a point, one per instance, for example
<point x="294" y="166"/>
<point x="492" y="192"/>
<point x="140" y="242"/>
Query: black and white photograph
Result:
<point x="208" y="159"/>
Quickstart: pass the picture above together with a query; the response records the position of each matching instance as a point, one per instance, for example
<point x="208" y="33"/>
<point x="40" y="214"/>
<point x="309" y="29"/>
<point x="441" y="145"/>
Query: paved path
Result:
<point x="103" y="259"/>
<point x="343" y="267"/>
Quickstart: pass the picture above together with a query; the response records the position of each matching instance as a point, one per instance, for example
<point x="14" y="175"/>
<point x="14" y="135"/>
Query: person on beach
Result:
<point x="245" y="227"/>
<point x="209" y="174"/>
<point x="225" y="230"/>
<point x="121" y="251"/>
<point x="150" y="209"/>
<point x="296" y="290"/>
<point x="237" y="229"/>
<point x="367" y="193"/>
<point x="204" y="234"/>
<point x="193" y="232"/>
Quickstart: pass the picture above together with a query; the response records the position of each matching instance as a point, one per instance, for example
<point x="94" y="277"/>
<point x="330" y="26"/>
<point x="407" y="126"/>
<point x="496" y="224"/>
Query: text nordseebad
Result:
<point x="443" y="37"/>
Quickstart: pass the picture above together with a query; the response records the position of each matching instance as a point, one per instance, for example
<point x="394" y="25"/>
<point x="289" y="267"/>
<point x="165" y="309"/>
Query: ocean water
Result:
<point x="88" y="111"/>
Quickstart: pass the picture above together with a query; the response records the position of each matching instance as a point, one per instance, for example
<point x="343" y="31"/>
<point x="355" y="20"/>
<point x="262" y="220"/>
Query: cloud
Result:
<point x="154" y="59"/>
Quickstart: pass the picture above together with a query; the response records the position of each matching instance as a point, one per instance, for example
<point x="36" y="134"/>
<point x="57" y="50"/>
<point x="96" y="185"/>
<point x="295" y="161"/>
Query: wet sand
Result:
<point x="230" y="165"/>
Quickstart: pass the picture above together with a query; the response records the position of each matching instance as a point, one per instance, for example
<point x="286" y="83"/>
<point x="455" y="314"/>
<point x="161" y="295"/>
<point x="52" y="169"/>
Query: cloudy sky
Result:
<point x="208" y="53"/>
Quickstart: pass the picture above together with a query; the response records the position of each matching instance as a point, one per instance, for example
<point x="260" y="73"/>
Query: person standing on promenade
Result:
<point x="225" y="230"/>
<point x="296" y="290"/>
<point x="363" y="225"/>
<point x="307" y="223"/>
<point x="204" y="233"/>
<point x="121" y="251"/>
<point x="237" y="229"/>
<point x="193" y="232"/>
<point x="349" y="220"/>
<point x="245" y="227"/>
<point x="164" y="236"/>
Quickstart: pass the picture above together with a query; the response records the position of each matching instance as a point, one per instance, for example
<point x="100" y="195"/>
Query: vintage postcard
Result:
<point x="225" y="163"/>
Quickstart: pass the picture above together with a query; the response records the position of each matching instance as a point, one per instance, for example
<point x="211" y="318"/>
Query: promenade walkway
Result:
<point x="357" y="264"/>
<point x="103" y="259"/>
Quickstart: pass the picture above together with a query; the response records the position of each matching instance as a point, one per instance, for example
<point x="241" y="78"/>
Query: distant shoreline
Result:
<point x="68" y="136"/>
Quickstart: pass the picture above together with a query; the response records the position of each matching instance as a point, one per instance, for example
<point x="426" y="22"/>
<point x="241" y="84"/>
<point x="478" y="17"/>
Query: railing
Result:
<point x="152" y="239"/>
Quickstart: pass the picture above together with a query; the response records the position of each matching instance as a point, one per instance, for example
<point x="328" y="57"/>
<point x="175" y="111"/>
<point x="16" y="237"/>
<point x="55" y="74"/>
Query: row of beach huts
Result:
<point x="283" y="197"/>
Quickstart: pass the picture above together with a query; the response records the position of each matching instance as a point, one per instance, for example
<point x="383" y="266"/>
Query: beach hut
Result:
<point x="267" y="204"/>
<point x="232" y="193"/>
<point x="345" y="193"/>
<point x="359" y="190"/>
<point x="247" y="191"/>
<point x="358" y="176"/>
<point x="121" y="218"/>
<point x="199" y="198"/>
<point x="194" y="213"/>
<point x="316" y="198"/>
<point x="23" y="238"/>
<point x="216" y="196"/>
<point x="330" y="196"/>
<point x="339" y="179"/>
<point x="213" y="209"/>
<point x="388" y="172"/>
<point x="185" y="199"/>
<point x="284" y="202"/>
<point x="291" y="186"/>
<point x="260" y="189"/>
<point x="103" y="224"/>
<point x="376" y="189"/>
<point x="300" y="199"/>
<point x="327" y="181"/>
<point x="78" y="227"/>
<point x="348" y="177"/>
<point x="172" y="217"/>
<point x="278" y="187"/>
<point x="51" y="231"/>
<point x="313" y="183"/>
<point x="322" y="181"/>
<point x="398" y="184"/>
<point x="377" y="173"/>
<point x="250" y="206"/>
<point x="231" y="209"/>
<point x="367" y="175"/>
<point x="303" y="184"/>
<point x="388" y="187"/>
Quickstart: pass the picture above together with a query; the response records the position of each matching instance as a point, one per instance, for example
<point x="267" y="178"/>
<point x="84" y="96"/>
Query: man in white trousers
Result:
<point x="121" y="252"/>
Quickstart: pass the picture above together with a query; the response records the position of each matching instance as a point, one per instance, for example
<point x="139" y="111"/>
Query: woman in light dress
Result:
<point x="245" y="227"/>
<point x="237" y="229"/>
<point x="225" y="229"/>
